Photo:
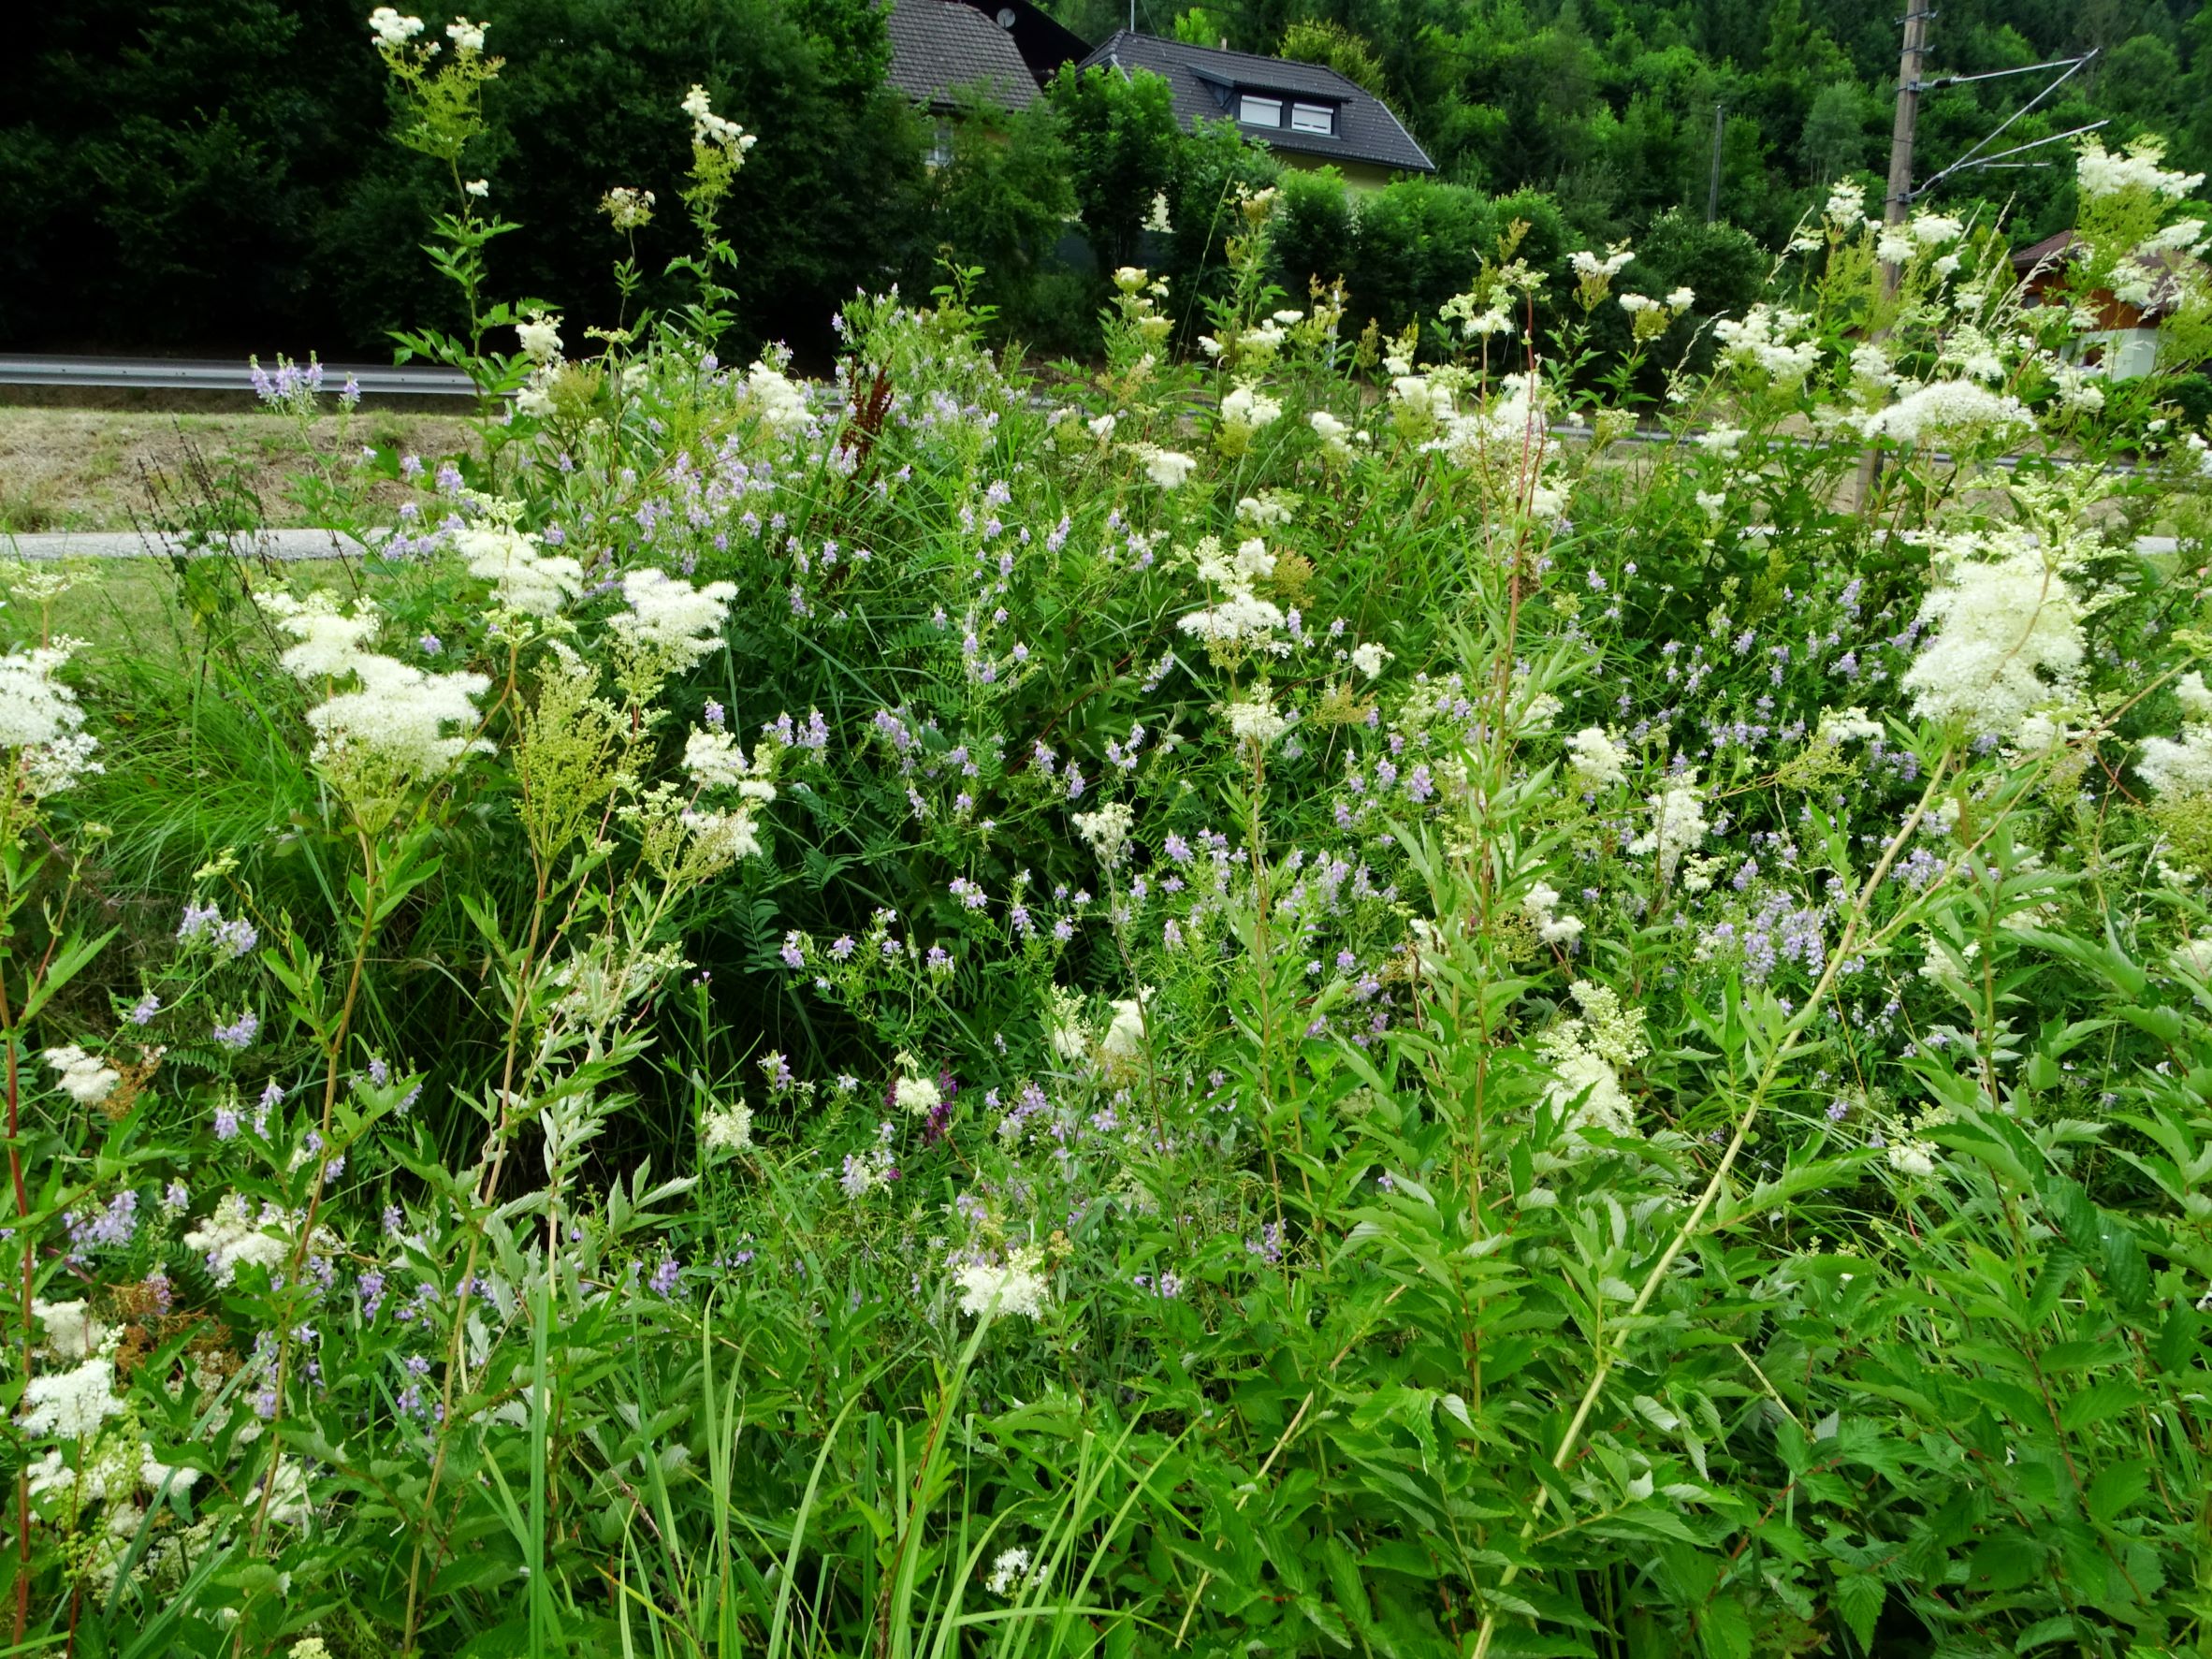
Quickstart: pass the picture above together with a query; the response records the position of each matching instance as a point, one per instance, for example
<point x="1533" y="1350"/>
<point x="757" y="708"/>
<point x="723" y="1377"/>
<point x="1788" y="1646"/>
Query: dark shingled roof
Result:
<point x="2042" y="262"/>
<point x="940" y="46"/>
<point x="1205" y="81"/>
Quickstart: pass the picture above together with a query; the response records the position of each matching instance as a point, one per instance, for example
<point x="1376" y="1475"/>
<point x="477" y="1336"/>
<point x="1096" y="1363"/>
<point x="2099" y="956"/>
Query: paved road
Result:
<point x="182" y="375"/>
<point x="267" y="544"/>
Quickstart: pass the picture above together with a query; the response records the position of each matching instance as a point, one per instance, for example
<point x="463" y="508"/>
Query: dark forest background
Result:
<point x="216" y="178"/>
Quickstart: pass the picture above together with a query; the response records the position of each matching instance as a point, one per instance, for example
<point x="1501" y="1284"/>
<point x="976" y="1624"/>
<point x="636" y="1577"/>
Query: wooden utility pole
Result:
<point x="1899" y="202"/>
<point x="1910" y="63"/>
<point x="1713" y="189"/>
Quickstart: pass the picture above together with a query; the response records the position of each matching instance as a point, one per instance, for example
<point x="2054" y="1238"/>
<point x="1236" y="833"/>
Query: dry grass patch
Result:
<point x="88" y="470"/>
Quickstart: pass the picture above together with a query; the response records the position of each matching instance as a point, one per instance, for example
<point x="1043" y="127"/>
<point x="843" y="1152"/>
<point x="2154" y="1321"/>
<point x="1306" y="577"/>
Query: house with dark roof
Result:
<point x="940" y="49"/>
<point x="2125" y="342"/>
<point x="1307" y="115"/>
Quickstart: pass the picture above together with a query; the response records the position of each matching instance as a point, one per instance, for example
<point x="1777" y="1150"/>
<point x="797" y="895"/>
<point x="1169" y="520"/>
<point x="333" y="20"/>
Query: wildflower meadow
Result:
<point x="1515" y="989"/>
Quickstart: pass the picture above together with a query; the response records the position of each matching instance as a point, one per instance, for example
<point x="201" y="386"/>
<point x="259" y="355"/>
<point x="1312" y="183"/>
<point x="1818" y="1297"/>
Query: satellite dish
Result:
<point x="1006" y="17"/>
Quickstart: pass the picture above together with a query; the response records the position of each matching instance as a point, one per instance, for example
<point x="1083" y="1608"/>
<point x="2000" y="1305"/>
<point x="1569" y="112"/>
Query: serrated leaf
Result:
<point x="2002" y="1562"/>
<point x="1724" y="1629"/>
<point x="2117" y="1487"/>
<point x="1858" y="1598"/>
<point x="2098" y="1402"/>
<point x="2059" y="1627"/>
<point x="2125" y="1271"/>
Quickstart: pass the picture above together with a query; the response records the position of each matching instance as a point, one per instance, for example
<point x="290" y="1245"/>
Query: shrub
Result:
<point x="1001" y="204"/>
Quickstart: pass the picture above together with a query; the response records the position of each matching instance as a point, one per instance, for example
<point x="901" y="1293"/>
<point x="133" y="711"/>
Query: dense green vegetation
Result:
<point x="206" y="177"/>
<point x="1609" y="104"/>
<point x="1249" y="1003"/>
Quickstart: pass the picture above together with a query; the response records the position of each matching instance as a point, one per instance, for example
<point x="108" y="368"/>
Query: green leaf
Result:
<point x="1724" y="1629"/>
<point x="67" y="963"/>
<point x="2125" y="1271"/>
<point x="1858" y="1598"/>
<point x="2165" y="1023"/>
<point x="2058" y="1627"/>
<point x="2005" y="1562"/>
<point x="2098" y="1402"/>
<point x="2117" y="1487"/>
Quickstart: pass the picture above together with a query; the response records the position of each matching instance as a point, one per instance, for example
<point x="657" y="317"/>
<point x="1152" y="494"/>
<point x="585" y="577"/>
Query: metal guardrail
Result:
<point x="184" y="374"/>
<point x="195" y="375"/>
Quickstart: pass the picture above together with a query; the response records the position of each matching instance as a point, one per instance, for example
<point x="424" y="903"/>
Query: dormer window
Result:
<point x="1273" y="109"/>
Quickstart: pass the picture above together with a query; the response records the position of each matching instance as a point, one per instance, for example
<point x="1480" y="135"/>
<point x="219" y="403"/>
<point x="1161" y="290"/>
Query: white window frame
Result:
<point x="1304" y="117"/>
<point x="1244" y="104"/>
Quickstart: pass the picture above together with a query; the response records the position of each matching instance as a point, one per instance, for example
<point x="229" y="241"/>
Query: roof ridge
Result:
<point x="1173" y="46"/>
<point x="1369" y="131"/>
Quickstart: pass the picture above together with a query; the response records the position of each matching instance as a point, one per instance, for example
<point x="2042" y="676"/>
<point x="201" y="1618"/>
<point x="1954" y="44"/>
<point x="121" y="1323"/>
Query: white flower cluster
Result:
<point x="1240" y="619"/>
<point x="1846" y="206"/>
<point x="1584" y="1054"/>
<point x="1596" y="760"/>
<point x="397" y="719"/>
<point x="1913" y="1158"/>
<point x="1418" y="401"/>
<point x="2006" y="630"/>
<point x="709" y="129"/>
<point x="781" y="403"/>
<point x="728" y="1128"/>
<point x="524" y="576"/>
<point x="627" y="207"/>
<point x="1014" y="1286"/>
<point x="1256" y="720"/>
<point x="1839" y="726"/>
<point x="1106" y="832"/>
<point x="1124" y="1041"/>
<point x="391" y="29"/>
<point x="1510" y="434"/>
<point x="1955" y="409"/>
<point x="236" y="1235"/>
<point x="86" y="1079"/>
<point x="1336" y="438"/>
<point x="715" y="760"/>
<point x="1168" y="468"/>
<point x="72" y="1404"/>
<point x="1766" y="339"/>
<point x="40" y="719"/>
<point x="1008" y="1572"/>
<point x="1249" y="409"/>
<point x="2178" y="769"/>
<point x="672" y="616"/>
<point x="539" y="335"/>
<point x="1477" y="319"/>
<point x="1678" y="825"/>
<point x="1899" y="243"/>
<point x="1065" y="1030"/>
<point x="1541" y="906"/>
<point x="467" y="38"/>
<point x="1610" y="264"/>
<point x="2098" y="172"/>
<point x="71" y="1333"/>
<point x="330" y="640"/>
<point x="1649" y="318"/>
<point x="917" y="1096"/>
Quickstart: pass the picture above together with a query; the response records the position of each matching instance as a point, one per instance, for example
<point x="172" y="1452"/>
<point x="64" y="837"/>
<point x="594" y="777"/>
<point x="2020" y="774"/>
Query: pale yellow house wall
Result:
<point x="1358" y="175"/>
